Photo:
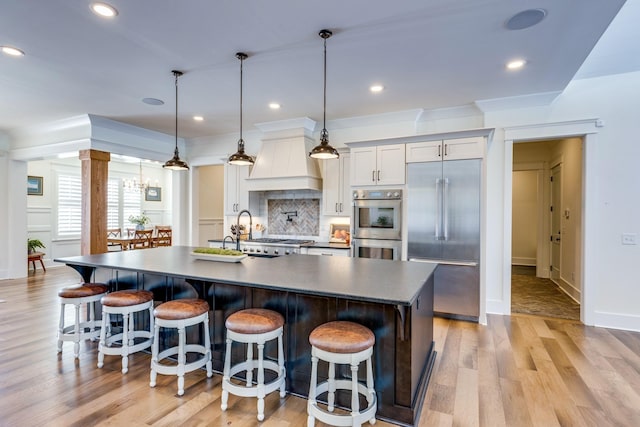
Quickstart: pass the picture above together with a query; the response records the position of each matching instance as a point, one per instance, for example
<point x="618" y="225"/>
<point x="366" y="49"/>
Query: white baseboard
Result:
<point x="629" y="322"/>
<point x="568" y="289"/>
<point x="529" y="262"/>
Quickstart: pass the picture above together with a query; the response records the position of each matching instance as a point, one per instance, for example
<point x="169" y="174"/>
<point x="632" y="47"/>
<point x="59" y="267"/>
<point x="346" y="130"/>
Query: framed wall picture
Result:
<point x="34" y="185"/>
<point x="153" y="194"/>
<point x="339" y="233"/>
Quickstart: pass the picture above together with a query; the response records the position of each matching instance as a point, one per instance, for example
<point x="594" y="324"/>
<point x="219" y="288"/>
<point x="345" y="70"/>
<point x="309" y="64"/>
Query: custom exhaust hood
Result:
<point x="283" y="162"/>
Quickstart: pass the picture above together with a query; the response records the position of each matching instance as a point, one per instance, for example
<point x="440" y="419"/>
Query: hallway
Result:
<point x="540" y="297"/>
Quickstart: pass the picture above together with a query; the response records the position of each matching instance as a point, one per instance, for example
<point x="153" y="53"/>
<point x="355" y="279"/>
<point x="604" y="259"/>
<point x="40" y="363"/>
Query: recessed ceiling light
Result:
<point x="104" y="9"/>
<point x="198" y="118"/>
<point x="525" y="19"/>
<point x="516" y="64"/>
<point x="376" y="88"/>
<point x="274" y="105"/>
<point x="153" y="101"/>
<point x="12" y="51"/>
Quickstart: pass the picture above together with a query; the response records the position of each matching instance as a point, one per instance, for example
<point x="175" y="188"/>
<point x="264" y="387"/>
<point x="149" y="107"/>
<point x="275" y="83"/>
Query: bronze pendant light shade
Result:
<point x="240" y="158"/>
<point x="175" y="163"/>
<point x="324" y="150"/>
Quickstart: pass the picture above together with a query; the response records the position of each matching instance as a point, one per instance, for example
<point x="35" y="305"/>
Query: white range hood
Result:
<point x="283" y="163"/>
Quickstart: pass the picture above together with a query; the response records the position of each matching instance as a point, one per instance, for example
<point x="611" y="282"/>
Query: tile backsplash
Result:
<point x="294" y="217"/>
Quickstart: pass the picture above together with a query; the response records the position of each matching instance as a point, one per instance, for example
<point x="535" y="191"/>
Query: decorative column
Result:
<point x="95" y="175"/>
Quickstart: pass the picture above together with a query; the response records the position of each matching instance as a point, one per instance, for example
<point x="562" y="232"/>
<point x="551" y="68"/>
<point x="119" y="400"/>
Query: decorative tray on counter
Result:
<point x="216" y="254"/>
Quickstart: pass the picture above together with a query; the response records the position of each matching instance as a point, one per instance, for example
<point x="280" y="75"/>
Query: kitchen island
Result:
<point x="393" y="299"/>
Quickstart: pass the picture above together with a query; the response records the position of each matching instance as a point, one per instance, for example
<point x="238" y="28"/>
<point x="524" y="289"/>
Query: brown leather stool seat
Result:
<point x="180" y="314"/>
<point x="254" y="326"/>
<point x="84" y="293"/>
<point x="181" y="309"/>
<point x="83" y="290"/>
<point x="135" y="336"/>
<point x="345" y="343"/>
<point x="342" y="337"/>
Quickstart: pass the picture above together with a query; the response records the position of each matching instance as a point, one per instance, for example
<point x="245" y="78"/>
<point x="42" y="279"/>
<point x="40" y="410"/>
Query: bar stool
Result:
<point x="125" y="303"/>
<point x="179" y="314"/>
<point x="344" y="343"/>
<point x="254" y="326"/>
<point x="85" y="293"/>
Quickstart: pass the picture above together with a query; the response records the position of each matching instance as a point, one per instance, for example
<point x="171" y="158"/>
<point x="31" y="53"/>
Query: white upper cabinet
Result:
<point x="236" y="195"/>
<point x="336" y="187"/>
<point x="378" y="165"/>
<point x="448" y="149"/>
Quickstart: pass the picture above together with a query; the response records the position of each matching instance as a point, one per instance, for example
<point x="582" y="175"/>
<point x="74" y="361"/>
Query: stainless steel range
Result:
<point x="273" y="247"/>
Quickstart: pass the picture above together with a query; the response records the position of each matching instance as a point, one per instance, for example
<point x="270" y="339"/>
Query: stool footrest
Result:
<point x="173" y="351"/>
<point x="342" y="420"/>
<point x="252" y="391"/>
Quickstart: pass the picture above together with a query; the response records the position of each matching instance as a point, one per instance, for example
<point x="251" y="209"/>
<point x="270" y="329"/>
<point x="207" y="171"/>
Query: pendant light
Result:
<point x="324" y="150"/>
<point x="240" y="158"/>
<point x="175" y="163"/>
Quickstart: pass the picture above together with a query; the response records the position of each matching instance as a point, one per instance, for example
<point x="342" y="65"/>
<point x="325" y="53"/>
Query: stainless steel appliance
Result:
<point x="273" y="247"/>
<point x="443" y="202"/>
<point x="377" y="224"/>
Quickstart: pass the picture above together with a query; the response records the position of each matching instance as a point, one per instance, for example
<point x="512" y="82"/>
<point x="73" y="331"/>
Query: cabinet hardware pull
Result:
<point x="445" y="149"/>
<point x="378" y="174"/>
<point x="439" y="149"/>
<point x="337" y="208"/>
<point x="373" y="176"/>
<point x="340" y="207"/>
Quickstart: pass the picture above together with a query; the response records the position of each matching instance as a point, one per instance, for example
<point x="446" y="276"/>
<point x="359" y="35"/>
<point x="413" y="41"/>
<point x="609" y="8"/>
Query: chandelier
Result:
<point x="139" y="185"/>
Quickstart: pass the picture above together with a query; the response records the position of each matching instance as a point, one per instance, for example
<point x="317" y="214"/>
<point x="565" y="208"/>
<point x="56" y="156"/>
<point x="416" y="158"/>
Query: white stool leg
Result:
<point x="76" y="334"/>
<point x="207" y="346"/>
<point x="311" y="421"/>
<point x="127" y="327"/>
<point x="92" y="319"/>
<point x="154" y="354"/>
<point x="103" y="338"/>
<point x="182" y="360"/>
<point x="61" y="326"/>
<point x="355" y="400"/>
<point x="370" y="387"/>
<point x="226" y="378"/>
<point x="249" y="364"/>
<point x="332" y="387"/>
<point x="260" y="390"/>
<point x="283" y="371"/>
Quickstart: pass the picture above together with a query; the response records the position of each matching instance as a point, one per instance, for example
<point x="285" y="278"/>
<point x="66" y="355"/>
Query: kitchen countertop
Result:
<point x="390" y="282"/>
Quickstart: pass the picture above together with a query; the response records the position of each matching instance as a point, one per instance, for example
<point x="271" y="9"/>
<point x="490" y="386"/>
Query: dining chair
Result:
<point x="163" y="235"/>
<point x="114" y="233"/>
<point x="142" y="239"/>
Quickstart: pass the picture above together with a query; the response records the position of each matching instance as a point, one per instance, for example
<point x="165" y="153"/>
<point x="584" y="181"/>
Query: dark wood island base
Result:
<point x="393" y="299"/>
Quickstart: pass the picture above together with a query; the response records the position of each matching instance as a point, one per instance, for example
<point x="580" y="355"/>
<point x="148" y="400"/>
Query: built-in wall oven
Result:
<point x="377" y="224"/>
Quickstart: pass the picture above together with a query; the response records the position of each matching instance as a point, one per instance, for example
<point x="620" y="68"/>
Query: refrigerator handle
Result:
<point x="445" y="210"/>
<point x="438" y="209"/>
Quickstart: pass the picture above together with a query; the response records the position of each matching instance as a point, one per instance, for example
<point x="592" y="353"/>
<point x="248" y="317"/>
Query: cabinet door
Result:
<point x="391" y="164"/>
<point x="230" y="189"/>
<point x="463" y="148"/>
<point x="331" y="186"/>
<point x="242" y="191"/>
<point x="363" y="166"/>
<point x="428" y="151"/>
<point x="345" y="193"/>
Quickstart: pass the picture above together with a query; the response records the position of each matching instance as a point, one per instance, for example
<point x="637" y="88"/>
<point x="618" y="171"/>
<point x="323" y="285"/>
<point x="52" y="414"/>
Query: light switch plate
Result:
<point x="629" y="238"/>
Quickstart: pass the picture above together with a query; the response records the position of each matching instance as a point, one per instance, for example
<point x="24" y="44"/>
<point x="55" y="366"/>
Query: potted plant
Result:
<point x="140" y="221"/>
<point x="33" y="244"/>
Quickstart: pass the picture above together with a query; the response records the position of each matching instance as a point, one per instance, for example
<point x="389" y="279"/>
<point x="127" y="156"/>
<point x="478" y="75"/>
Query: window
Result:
<point x="121" y="203"/>
<point x="69" y="205"/>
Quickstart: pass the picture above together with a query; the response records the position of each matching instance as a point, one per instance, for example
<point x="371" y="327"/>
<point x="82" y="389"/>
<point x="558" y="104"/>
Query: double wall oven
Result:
<point x="377" y="224"/>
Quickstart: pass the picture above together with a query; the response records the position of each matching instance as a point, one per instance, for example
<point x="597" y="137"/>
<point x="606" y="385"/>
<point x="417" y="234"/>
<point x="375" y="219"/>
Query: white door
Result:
<point x="556" y="221"/>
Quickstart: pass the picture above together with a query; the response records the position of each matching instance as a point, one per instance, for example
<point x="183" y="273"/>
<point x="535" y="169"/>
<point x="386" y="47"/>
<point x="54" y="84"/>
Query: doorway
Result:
<point x="544" y="279"/>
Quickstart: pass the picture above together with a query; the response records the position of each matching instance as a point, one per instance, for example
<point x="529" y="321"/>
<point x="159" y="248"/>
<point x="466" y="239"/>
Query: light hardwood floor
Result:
<point x="516" y="371"/>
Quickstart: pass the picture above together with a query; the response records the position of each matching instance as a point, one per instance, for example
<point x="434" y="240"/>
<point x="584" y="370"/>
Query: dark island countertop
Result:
<point x="389" y="282"/>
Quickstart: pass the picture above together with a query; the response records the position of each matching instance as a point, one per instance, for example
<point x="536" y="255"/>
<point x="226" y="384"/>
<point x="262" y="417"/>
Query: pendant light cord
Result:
<point x="176" y="74"/>
<point x="324" y="107"/>
<point x="241" y="62"/>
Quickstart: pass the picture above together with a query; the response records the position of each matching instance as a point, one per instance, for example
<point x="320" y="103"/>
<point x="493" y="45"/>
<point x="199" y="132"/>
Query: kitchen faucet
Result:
<point x="238" y="227"/>
<point x="225" y="239"/>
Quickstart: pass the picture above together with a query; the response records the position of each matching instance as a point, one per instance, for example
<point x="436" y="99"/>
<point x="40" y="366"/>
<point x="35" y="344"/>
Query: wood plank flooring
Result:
<point x="516" y="371"/>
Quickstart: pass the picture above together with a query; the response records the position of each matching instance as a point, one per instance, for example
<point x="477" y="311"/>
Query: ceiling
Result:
<point x="427" y="54"/>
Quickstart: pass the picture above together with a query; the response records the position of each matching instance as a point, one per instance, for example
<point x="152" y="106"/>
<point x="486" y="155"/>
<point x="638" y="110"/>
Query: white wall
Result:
<point x="524" y="241"/>
<point x="614" y="194"/>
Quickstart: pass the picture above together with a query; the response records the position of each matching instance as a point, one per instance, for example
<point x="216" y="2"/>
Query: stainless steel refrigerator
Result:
<point x="443" y="203"/>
